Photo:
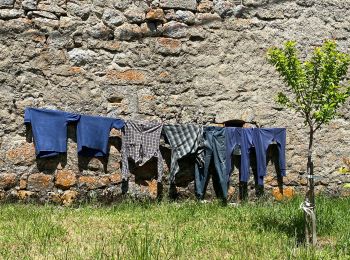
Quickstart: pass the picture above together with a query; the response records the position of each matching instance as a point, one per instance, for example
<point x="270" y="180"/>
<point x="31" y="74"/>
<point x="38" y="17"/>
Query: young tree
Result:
<point x="315" y="90"/>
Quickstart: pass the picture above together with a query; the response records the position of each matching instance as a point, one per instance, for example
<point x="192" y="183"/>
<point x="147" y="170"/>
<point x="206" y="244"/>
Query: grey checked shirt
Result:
<point x="140" y="142"/>
<point x="184" y="139"/>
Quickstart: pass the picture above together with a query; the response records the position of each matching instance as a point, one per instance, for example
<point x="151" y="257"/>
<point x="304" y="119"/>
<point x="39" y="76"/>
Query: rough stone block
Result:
<point x="40" y="182"/>
<point x="155" y="15"/>
<point x="224" y="8"/>
<point x="65" y="179"/>
<point x="168" y="45"/>
<point x="22" y="155"/>
<point x="101" y="32"/>
<point x="179" y="4"/>
<point x="69" y="197"/>
<point x="55" y="197"/>
<point x="6" y="14"/>
<point x="149" y="29"/>
<point x="6" y="3"/>
<point x="265" y="14"/>
<point x="128" y="75"/>
<point x="175" y="30"/>
<point x="43" y="14"/>
<point x="24" y="194"/>
<point x="113" y="17"/>
<point x="127" y="32"/>
<point x="122" y="4"/>
<point x="115" y="178"/>
<point x="209" y="20"/>
<point x="45" y="24"/>
<point x="80" y="57"/>
<point x="29" y="5"/>
<point x="22" y="184"/>
<point x="7" y="180"/>
<point x="80" y="10"/>
<point x="205" y="6"/>
<point x="185" y="17"/>
<point x="134" y="14"/>
<point x="93" y="182"/>
<point x="52" y="8"/>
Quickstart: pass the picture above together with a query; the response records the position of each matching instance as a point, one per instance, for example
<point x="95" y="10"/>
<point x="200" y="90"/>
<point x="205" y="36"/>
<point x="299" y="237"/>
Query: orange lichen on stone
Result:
<point x="89" y="181"/>
<point x="39" y="38"/>
<point x="22" y="184"/>
<point x="155" y="15"/>
<point x="24" y="194"/>
<point x="75" y="70"/>
<point x="169" y="43"/>
<point x="231" y="191"/>
<point x="65" y="179"/>
<point x="39" y="181"/>
<point x="163" y="74"/>
<point x="69" y="197"/>
<point x="113" y="46"/>
<point x="2" y="195"/>
<point x="25" y="154"/>
<point x="153" y="188"/>
<point x="7" y="180"/>
<point x="287" y="193"/>
<point x="56" y="198"/>
<point x="205" y="6"/>
<point x="128" y="75"/>
<point x="93" y="182"/>
<point x="148" y="98"/>
<point x="115" y="178"/>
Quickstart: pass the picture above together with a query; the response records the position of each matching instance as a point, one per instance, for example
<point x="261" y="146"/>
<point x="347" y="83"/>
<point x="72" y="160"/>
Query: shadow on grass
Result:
<point x="293" y="227"/>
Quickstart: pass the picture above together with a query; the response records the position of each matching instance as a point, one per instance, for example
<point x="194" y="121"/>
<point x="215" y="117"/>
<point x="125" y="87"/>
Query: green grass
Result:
<point x="187" y="230"/>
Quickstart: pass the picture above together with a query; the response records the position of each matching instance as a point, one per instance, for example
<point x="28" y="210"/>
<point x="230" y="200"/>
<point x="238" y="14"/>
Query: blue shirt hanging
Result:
<point x="93" y="134"/>
<point x="49" y="129"/>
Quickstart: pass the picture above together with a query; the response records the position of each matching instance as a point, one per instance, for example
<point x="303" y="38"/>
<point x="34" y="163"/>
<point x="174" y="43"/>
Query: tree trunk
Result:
<point x="309" y="203"/>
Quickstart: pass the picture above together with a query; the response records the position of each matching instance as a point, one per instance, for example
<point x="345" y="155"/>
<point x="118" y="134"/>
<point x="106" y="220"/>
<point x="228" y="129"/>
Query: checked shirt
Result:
<point x="183" y="139"/>
<point x="140" y="142"/>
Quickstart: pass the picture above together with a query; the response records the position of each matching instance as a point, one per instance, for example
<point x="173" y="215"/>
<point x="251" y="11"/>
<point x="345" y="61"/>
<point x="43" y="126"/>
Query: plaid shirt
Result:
<point x="140" y="142"/>
<point x="184" y="139"/>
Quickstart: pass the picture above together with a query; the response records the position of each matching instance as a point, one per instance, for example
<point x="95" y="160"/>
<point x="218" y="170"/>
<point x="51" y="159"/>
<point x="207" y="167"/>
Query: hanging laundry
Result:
<point x="184" y="139"/>
<point x="242" y="138"/>
<point x="49" y="129"/>
<point x="262" y="138"/>
<point x="140" y="142"/>
<point x="93" y="134"/>
<point x="214" y="150"/>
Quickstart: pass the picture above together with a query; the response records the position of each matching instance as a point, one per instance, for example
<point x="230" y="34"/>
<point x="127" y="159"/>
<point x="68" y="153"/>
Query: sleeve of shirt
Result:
<point x="27" y="117"/>
<point x="125" y="162"/>
<point x="118" y="124"/>
<point x="160" y="166"/>
<point x="71" y="117"/>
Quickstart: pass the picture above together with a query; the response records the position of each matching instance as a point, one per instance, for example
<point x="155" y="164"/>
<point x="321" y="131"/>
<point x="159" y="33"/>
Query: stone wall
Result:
<point x="175" y="61"/>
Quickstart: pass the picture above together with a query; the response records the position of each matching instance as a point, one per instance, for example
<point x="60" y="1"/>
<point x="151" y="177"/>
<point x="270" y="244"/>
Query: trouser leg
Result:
<point x="202" y="171"/>
<point x="221" y="179"/>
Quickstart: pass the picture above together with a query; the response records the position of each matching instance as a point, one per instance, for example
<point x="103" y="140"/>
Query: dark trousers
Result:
<point x="215" y="152"/>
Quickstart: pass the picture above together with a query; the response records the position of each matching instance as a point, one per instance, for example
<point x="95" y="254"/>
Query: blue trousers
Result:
<point x="214" y="151"/>
<point x="262" y="138"/>
<point x="241" y="137"/>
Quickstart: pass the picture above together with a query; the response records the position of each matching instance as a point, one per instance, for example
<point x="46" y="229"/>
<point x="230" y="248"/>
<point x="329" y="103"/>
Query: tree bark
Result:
<point x="309" y="203"/>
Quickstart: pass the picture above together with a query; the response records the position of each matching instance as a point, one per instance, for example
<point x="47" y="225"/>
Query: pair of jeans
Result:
<point x="242" y="138"/>
<point x="262" y="138"/>
<point x="214" y="151"/>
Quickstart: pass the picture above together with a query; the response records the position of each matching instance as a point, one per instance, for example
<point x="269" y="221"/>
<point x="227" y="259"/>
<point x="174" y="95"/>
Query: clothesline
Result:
<point x="141" y="142"/>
